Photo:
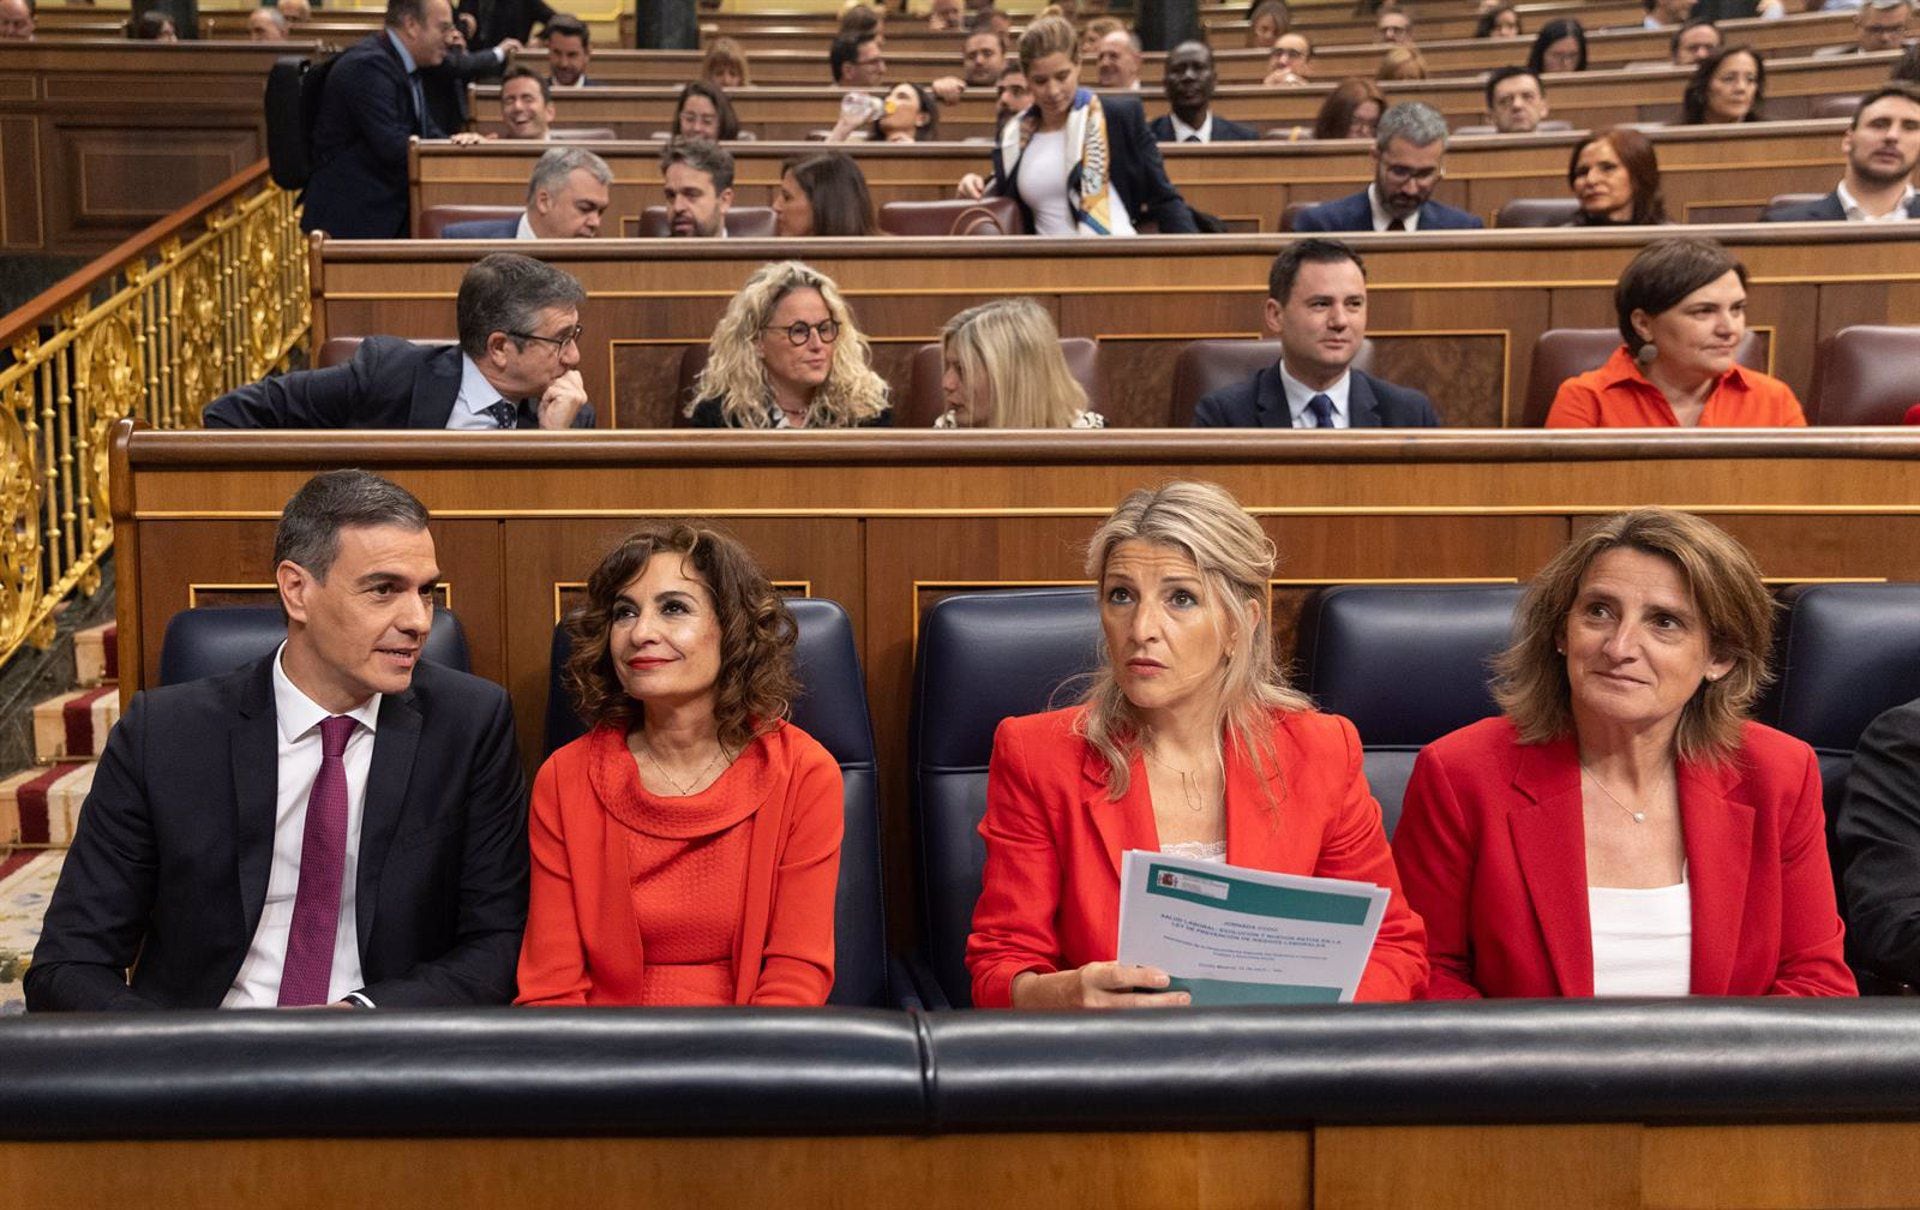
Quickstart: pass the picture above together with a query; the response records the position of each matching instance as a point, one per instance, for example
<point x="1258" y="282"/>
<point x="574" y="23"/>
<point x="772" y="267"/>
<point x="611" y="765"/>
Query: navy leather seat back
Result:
<point x="1846" y="653"/>
<point x="1407" y="663"/>
<point x="983" y="657"/>
<point x="832" y="708"/>
<point x="216" y="639"/>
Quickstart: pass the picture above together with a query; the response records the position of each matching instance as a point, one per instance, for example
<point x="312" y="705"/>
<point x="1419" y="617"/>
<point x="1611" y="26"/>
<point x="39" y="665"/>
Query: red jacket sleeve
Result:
<point x="1014" y="918"/>
<point x="1356" y="848"/>
<point x="796" y="967"/>
<point x="553" y="958"/>
<point x="1435" y="856"/>
<point x="1812" y="962"/>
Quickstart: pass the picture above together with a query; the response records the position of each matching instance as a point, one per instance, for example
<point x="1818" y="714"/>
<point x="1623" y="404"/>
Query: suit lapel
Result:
<point x="1270" y="400"/>
<point x="395" y="742"/>
<point x="1363" y="409"/>
<point x="1253" y="828"/>
<point x="1122" y="825"/>
<point x="253" y="747"/>
<point x="1718" y="833"/>
<point x="1549" y="841"/>
<point x="436" y="386"/>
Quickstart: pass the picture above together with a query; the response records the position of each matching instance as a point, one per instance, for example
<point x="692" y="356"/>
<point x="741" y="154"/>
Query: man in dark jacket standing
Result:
<point x="373" y="103"/>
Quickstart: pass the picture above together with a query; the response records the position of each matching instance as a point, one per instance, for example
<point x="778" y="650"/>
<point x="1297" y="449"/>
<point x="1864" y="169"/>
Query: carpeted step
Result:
<point x="40" y="806"/>
<point x="26" y="886"/>
<point x="74" y="726"/>
<point x="96" y="654"/>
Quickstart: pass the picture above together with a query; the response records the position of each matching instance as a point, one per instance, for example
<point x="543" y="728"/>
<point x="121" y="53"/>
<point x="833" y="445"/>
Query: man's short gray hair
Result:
<point x="310" y="525"/>
<point x="506" y="292"/>
<point x="557" y="165"/>
<point x="1418" y="123"/>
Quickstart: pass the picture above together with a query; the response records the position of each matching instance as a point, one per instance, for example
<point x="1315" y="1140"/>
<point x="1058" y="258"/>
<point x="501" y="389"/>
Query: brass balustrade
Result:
<point x="213" y="296"/>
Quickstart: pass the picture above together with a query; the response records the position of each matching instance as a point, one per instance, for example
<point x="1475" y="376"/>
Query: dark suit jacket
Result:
<point x="358" y="187"/>
<point x="707" y="415"/>
<point x="446" y="86"/>
<point x="1826" y="210"/>
<point x="1223" y="130"/>
<point x="389" y="384"/>
<point x="1491" y="852"/>
<point x="497" y="19"/>
<point x="1139" y="175"/>
<point x="1261" y="402"/>
<point x="1354" y="213"/>
<point x="1876" y="835"/>
<point x="169" y="864"/>
<point x="482" y="228"/>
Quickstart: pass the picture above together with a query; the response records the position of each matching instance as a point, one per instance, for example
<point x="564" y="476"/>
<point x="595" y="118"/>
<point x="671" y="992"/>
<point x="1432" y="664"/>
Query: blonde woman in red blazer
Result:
<point x="1623" y="830"/>
<point x="1188" y="742"/>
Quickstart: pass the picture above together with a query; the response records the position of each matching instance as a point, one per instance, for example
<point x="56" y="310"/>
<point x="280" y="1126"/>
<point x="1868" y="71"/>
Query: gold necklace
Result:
<point x="686" y="791"/>
<point x="1636" y="816"/>
<point x="1189" y="791"/>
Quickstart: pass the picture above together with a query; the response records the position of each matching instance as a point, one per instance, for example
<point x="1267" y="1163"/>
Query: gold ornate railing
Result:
<point x="212" y="296"/>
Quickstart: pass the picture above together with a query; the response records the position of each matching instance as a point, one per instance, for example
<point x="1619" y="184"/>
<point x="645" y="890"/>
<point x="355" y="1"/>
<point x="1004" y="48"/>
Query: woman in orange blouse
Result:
<point x="686" y="850"/>
<point x="1682" y="306"/>
<point x="1189" y="742"/>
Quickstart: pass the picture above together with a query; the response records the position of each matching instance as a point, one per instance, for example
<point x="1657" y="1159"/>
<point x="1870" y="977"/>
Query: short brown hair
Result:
<point x="1663" y="273"/>
<point x="756" y="686"/>
<point x="1530" y="676"/>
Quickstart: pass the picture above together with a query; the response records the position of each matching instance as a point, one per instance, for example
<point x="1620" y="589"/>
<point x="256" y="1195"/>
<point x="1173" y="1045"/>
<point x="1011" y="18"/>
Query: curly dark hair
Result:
<point x="756" y="686"/>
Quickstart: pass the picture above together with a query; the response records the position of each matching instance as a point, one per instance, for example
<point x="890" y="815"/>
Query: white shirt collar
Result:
<point x="1380" y="216"/>
<point x="1299" y="392"/>
<point x="1857" y="215"/>
<point x="525" y="229"/>
<point x="476" y="393"/>
<point x="296" y="714"/>
<point x="406" y="56"/>
<point x="1181" y="130"/>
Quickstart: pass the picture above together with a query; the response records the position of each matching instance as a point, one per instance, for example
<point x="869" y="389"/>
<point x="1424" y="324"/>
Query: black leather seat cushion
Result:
<point x="216" y="639"/>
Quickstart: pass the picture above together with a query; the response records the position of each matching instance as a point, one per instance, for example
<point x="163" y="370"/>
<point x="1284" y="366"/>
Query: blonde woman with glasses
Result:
<point x="1002" y="369"/>
<point x="787" y="355"/>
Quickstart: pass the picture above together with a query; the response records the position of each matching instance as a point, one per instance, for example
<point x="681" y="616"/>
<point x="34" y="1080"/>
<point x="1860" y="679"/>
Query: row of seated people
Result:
<point x="334" y="818"/>
<point x="787" y="353"/>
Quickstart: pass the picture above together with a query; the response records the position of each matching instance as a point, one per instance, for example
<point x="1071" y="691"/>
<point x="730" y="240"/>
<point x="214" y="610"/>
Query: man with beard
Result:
<point x="1882" y="147"/>
<point x="983" y="56"/>
<point x="1409" y="158"/>
<point x="1189" y="86"/>
<point x="698" y="178"/>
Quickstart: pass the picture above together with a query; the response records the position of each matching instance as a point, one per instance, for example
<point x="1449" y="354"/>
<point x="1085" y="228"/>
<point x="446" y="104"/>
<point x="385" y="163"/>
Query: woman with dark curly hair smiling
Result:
<point x="686" y="850"/>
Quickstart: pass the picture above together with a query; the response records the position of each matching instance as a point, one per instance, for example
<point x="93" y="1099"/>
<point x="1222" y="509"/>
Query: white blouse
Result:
<point x="1642" y="940"/>
<point x="1214" y="851"/>
<point x="1042" y="174"/>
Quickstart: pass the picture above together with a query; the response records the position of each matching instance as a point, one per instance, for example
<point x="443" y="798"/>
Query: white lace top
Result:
<point x="1198" y="850"/>
<point x="1081" y="420"/>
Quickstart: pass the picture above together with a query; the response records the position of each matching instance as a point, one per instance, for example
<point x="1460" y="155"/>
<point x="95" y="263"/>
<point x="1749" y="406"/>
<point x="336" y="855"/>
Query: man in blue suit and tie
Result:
<point x="1409" y="158"/>
<point x="1317" y="306"/>
<point x="372" y="104"/>
<point x="566" y="199"/>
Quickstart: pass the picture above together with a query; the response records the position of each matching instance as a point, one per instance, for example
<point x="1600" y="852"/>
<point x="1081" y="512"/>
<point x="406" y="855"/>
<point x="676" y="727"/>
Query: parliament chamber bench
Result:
<point x="1708" y="174"/>
<point x="1586" y="99"/>
<point x="892" y="525"/>
<point x="798" y="57"/>
<point x="1459" y="314"/>
<point x="1633" y="1104"/>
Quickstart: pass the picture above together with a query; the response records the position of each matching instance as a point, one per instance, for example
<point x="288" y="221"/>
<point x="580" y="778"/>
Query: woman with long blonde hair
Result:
<point x="1190" y="742"/>
<point x="1001" y="368"/>
<point x="786" y="355"/>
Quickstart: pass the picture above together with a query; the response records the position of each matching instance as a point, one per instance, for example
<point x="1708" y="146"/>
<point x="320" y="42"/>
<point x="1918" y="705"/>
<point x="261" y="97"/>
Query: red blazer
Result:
<point x="1050" y="894"/>
<point x="1492" y="846"/>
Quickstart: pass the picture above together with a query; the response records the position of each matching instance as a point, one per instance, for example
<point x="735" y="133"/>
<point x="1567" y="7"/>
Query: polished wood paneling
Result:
<point x="1596" y="1167"/>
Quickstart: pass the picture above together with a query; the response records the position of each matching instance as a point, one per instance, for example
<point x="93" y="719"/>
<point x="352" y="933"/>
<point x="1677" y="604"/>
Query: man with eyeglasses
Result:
<point x="1409" y="160"/>
<point x="514" y="368"/>
<point x="1879" y="25"/>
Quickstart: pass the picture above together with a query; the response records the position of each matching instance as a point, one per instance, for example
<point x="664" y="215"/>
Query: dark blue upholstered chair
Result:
<point x="217" y="639"/>
<point x="1407" y="663"/>
<point x="982" y="657"/>
<point x="833" y="709"/>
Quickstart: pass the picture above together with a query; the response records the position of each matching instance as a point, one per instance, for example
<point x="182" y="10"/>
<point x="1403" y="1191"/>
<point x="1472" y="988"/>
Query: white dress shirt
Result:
<point x="525" y="229"/>
<point x="297" y="720"/>
<point x="1380" y="216"/>
<point x="475" y="397"/>
<point x="1299" y="392"/>
<point x="1856" y="215"/>
<point x="1642" y="940"/>
<point x="1182" y="131"/>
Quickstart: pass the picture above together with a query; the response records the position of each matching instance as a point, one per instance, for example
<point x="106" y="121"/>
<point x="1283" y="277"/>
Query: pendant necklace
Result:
<point x="1636" y="816"/>
<point x="686" y="791"/>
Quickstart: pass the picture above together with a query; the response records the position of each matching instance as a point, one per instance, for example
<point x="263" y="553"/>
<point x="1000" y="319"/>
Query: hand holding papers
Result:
<point x="1231" y="935"/>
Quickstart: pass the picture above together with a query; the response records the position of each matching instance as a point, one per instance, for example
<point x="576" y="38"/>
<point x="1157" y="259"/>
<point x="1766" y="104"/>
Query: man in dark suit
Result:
<point x="1317" y="306"/>
<point x="569" y="51"/>
<point x="373" y="102"/>
<point x="334" y="824"/>
<point x="1876" y="835"/>
<point x="1189" y="85"/>
<point x="496" y="21"/>
<point x="514" y="367"/>
<point x="1882" y="147"/>
<point x="1409" y="158"/>
<point x="567" y="198"/>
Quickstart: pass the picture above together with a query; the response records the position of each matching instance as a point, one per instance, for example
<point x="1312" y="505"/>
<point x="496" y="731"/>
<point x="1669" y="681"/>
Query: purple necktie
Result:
<point x="323" y="851"/>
